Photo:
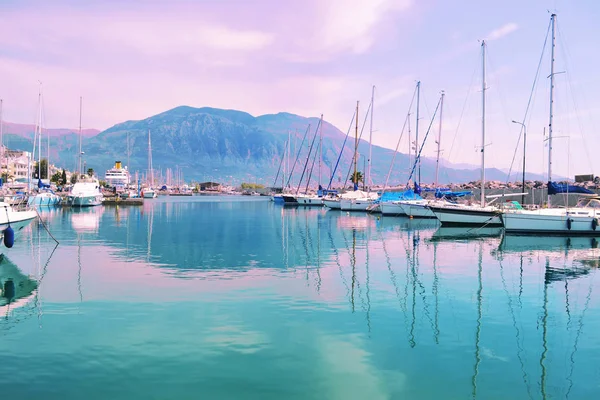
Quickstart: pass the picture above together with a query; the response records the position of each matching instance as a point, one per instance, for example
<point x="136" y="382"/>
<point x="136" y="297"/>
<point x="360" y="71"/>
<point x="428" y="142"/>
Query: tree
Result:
<point x="64" y="177"/>
<point x="74" y="178"/>
<point x="90" y="172"/>
<point x="357" y="178"/>
<point x="36" y="171"/>
<point x="6" y="176"/>
<point x="56" y="178"/>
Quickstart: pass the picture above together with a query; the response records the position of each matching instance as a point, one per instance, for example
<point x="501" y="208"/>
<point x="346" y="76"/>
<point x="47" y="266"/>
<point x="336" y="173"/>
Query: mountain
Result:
<point x="209" y="144"/>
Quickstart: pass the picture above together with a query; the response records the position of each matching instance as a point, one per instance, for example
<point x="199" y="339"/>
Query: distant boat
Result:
<point x="85" y="193"/>
<point x="149" y="193"/>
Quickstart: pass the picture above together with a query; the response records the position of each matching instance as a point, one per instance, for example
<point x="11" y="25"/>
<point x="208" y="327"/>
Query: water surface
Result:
<point x="237" y="298"/>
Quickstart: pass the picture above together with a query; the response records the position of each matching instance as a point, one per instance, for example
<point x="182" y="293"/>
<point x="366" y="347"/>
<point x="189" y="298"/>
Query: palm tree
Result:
<point x="357" y="178"/>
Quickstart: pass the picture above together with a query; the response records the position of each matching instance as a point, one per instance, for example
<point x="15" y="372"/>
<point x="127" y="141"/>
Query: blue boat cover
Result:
<point x="558" y="188"/>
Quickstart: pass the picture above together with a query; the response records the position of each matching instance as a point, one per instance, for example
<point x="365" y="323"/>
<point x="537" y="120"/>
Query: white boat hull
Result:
<point x="355" y="204"/>
<point x="552" y="222"/>
<point x="149" y="194"/>
<point x="417" y="209"/>
<point x="466" y="216"/>
<point x="391" y="208"/>
<point x="85" y="201"/>
<point x="310" y="201"/>
<point x="333" y="204"/>
<point x="44" y="200"/>
<point x="17" y="219"/>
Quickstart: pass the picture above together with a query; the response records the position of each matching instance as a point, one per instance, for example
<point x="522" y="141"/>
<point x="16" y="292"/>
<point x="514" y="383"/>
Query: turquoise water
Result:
<point x="237" y="298"/>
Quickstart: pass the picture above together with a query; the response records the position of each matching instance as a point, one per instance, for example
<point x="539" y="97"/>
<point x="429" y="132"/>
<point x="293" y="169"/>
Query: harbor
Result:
<point x="327" y="200"/>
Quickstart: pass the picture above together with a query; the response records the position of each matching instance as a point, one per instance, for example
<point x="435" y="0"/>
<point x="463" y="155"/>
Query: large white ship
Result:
<point x="117" y="176"/>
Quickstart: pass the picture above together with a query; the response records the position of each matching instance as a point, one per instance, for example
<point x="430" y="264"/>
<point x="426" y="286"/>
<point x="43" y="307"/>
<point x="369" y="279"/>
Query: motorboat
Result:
<point x="85" y="193"/>
<point x="17" y="219"/>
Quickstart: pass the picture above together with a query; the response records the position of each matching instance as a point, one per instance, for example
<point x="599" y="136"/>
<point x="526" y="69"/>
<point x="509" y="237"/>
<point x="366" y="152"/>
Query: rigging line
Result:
<point x="359" y="139"/>
<point x="564" y="52"/>
<point x="280" y="163"/>
<point x="341" y="151"/>
<point x="423" y="143"/>
<point x="463" y="110"/>
<point x="493" y="73"/>
<point x="387" y="179"/>
<point x="307" y="159"/>
<point x="531" y="97"/>
<point x="297" y="156"/>
<point x="313" y="163"/>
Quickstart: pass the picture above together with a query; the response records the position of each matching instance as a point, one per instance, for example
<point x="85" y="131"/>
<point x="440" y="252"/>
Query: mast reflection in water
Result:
<point x="238" y="298"/>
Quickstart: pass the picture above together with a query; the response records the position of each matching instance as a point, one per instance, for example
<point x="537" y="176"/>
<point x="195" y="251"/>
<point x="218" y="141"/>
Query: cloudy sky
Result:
<point x="132" y="59"/>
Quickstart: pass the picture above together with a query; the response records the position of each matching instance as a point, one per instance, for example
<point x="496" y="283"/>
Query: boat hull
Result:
<point x="355" y="204"/>
<point x="417" y="210"/>
<point x="44" y="200"/>
<point x="18" y="220"/>
<point x="392" y="209"/>
<point x="85" y="201"/>
<point x="536" y="223"/>
<point x="332" y="204"/>
<point x="310" y="201"/>
<point x="466" y="216"/>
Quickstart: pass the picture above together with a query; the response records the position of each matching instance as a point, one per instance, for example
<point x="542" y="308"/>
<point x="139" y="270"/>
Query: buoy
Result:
<point x="594" y="223"/>
<point x="9" y="237"/>
<point x="569" y="220"/>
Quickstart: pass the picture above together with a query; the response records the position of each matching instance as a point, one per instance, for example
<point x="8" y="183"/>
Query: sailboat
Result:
<point x="307" y="199"/>
<point x="149" y="193"/>
<point x="44" y="196"/>
<point x="583" y="219"/>
<point x="472" y="214"/>
<point x="86" y="191"/>
<point x="358" y="200"/>
<point x="389" y="202"/>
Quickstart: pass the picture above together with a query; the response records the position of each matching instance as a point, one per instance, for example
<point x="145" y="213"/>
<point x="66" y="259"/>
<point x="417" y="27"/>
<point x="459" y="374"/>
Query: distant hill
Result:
<point x="233" y="146"/>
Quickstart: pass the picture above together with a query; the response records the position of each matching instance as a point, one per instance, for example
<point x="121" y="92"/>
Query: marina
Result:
<point x="358" y="305"/>
<point x="266" y="200"/>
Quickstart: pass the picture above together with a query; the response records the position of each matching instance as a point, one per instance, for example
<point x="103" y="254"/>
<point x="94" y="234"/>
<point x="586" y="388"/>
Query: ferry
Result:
<point x="117" y="177"/>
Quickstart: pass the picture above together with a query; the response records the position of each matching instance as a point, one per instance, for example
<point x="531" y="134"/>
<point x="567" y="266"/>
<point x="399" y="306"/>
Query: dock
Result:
<point x="117" y="201"/>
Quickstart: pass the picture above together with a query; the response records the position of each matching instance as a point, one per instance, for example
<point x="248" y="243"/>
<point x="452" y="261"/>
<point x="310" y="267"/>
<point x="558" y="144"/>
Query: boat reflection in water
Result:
<point x="16" y="290"/>
<point x="86" y="220"/>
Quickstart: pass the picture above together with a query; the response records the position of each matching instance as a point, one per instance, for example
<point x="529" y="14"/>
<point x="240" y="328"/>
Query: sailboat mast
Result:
<point x="553" y="21"/>
<point x="320" y="148"/>
<point x="39" y="133"/>
<point x="439" y="141"/>
<point x="79" y="156"/>
<point x="355" y="181"/>
<point x="371" y="138"/>
<point x="483" y="124"/>
<point x="417" y="132"/>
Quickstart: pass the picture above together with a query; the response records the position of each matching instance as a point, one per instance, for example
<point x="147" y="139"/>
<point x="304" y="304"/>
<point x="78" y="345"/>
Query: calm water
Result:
<point x="230" y="298"/>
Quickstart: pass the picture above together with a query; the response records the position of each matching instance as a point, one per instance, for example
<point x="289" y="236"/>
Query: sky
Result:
<point x="134" y="59"/>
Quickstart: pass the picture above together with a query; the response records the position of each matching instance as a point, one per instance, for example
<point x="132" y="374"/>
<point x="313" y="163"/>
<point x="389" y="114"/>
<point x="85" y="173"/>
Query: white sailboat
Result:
<point x="583" y="219"/>
<point x="44" y="197"/>
<point x="314" y="200"/>
<point x="359" y="200"/>
<point x="86" y="192"/>
<point x="149" y="193"/>
<point x="471" y="214"/>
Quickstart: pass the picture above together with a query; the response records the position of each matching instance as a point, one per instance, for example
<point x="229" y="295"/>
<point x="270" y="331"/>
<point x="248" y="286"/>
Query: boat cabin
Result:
<point x="589" y="202"/>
